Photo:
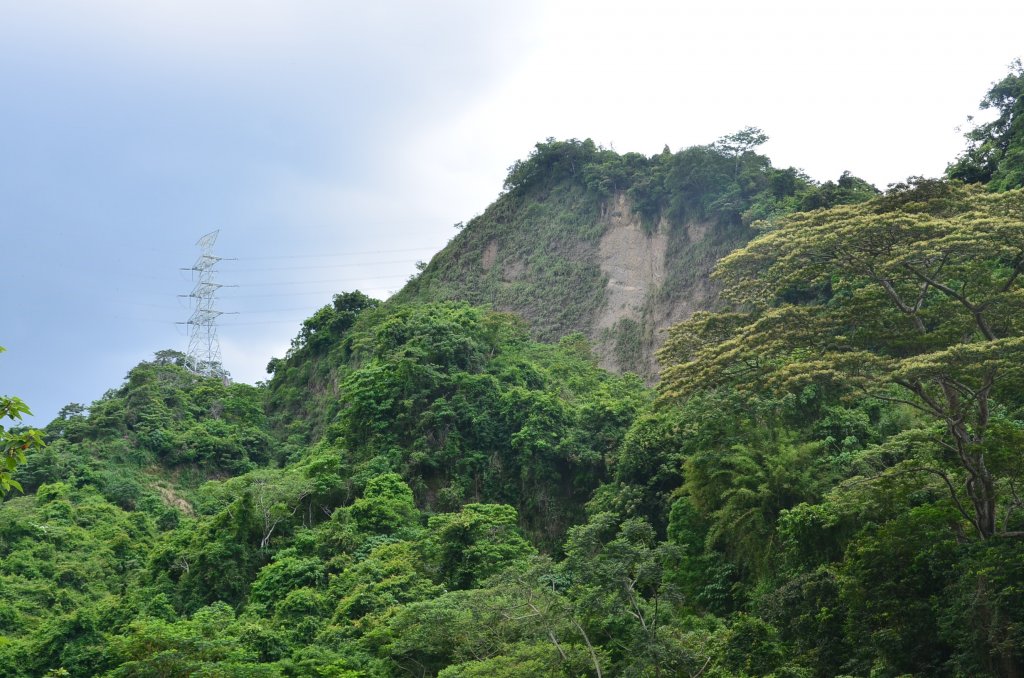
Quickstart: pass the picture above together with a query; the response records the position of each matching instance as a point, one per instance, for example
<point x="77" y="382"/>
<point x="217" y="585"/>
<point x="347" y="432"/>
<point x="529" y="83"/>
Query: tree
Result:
<point x="169" y="356"/>
<point x="386" y="505"/>
<point x="621" y="584"/>
<point x="475" y="543"/>
<point x="914" y="298"/>
<point x="331" y="322"/>
<point x="15" y="442"/>
<point x="995" y="150"/>
<point x="738" y="144"/>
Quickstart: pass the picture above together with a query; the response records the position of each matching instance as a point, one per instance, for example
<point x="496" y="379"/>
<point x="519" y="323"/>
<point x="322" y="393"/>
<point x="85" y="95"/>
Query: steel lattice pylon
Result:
<point x="203" y="354"/>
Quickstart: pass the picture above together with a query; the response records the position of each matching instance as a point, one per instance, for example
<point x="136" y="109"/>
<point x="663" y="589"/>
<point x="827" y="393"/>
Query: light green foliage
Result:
<point x="217" y="555"/>
<point x="210" y="642"/>
<point x="619" y="590"/>
<point x="752" y="647"/>
<point x="535" y="658"/>
<point x="65" y="558"/>
<point x="447" y="629"/>
<point x="14" y="443"/>
<point x="517" y="616"/>
<point x="914" y="297"/>
<point x="287" y="573"/>
<point x="170" y="417"/>
<point x="390" y="575"/>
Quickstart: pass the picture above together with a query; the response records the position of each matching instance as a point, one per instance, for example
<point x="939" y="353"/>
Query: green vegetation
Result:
<point x="535" y="251"/>
<point x="995" y="150"/>
<point x="15" y="442"/>
<point x="912" y="298"/>
<point x="827" y="481"/>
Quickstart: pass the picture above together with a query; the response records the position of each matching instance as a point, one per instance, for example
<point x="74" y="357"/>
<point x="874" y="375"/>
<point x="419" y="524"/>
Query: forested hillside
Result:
<point x="827" y="480"/>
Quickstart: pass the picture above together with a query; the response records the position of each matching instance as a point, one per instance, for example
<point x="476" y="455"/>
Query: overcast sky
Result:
<point x="335" y="143"/>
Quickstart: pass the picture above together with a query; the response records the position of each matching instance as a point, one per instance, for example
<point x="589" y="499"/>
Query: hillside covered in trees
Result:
<point x="827" y="480"/>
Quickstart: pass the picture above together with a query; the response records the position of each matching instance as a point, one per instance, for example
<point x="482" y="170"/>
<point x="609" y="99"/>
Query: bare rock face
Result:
<point x="490" y="256"/>
<point x="564" y="268"/>
<point x="633" y="260"/>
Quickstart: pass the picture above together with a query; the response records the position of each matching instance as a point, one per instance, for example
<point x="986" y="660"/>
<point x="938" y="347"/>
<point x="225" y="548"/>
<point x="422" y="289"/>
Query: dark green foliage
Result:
<point x="465" y="408"/>
<point x="313" y="365"/>
<point x="423" y="490"/>
<point x="847" y="190"/>
<point x="982" y="612"/>
<point x="551" y="163"/>
<point x="628" y="341"/>
<point x="995" y="150"/>
<point x="809" y="615"/>
<point x="386" y="505"/>
<point x="479" y="541"/>
<point x="752" y="647"/>
<point x="892" y="579"/>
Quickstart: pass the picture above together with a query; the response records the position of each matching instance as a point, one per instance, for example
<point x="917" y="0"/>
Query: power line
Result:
<point x="334" y="280"/>
<point x="315" y="293"/>
<point x="203" y="355"/>
<point x="263" y="322"/>
<point x="306" y="268"/>
<point x="295" y="268"/>
<point x="338" y="254"/>
<point x="304" y="309"/>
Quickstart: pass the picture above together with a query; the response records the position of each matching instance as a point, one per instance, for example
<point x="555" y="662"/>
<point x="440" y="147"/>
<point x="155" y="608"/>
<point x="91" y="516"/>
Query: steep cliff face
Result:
<point x="566" y="265"/>
<point x="633" y="262"/>
<point x="618" y="247"/>
<point x="647" y="290"/>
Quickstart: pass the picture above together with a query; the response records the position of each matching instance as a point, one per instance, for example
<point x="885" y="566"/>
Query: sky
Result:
<point x="334" y="144"/>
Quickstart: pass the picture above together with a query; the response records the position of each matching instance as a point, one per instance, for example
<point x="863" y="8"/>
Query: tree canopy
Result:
<point x="914" y="297"/>
<point x="995" y="149"/>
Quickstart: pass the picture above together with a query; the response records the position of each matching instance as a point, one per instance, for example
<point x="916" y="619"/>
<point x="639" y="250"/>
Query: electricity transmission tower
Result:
<point x="203" y="355"/>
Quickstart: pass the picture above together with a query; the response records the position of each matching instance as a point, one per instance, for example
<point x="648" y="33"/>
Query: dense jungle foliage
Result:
<point x="826" y="482"/>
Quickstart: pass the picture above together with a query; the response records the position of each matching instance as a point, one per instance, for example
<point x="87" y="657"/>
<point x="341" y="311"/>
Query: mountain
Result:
<point x="826" y="481"/>
<point x="618" y="247"/>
